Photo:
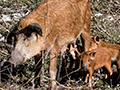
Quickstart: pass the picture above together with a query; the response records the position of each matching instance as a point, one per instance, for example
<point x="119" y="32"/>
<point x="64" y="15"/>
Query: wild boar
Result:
<point x="50" y="26"/>
<point x="114" y="48"/>
<point x="95" y="59"/>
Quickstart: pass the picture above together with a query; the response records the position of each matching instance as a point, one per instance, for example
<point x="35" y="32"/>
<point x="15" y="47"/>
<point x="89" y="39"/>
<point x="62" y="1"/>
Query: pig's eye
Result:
<point x="30" y="37"/>
<point x="90" y="43"/>
<point x="88" y="60"/>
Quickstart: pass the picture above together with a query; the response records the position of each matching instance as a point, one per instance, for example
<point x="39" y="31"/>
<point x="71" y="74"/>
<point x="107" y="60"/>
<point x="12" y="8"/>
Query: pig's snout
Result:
<point x="85" y="66"/>
<point x="17" y="59"/>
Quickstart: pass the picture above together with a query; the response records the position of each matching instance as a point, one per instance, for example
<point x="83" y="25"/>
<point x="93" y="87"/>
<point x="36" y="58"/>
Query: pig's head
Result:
<point x="87" y="58"/>
<point x="27" y="43"/>
<point x="72" y="51"/>
<point x="95" y="42"/>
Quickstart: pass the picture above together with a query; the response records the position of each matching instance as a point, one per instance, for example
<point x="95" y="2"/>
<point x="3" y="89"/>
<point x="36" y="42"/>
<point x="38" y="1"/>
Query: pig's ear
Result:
<point x="97" y="39"/>
<point x="36" y="28"/>
<point x="11" y="34"/>
<point x="92" y="55"/>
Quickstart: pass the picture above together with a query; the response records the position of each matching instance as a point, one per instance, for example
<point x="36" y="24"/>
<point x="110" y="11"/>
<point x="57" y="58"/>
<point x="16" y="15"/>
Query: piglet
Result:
<point x="96" y="59"/>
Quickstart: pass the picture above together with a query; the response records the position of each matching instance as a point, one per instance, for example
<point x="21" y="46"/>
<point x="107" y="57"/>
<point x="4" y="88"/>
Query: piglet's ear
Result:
<point x="71" y="47"/>
<point x="92" y="55"/>
<point x="35" y="27"/>
<point x="97" y="39"/>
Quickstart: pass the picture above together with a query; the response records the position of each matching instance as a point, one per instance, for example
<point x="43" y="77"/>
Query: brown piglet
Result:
<point x="96" y="59"/>
<point x="96" y="42"/>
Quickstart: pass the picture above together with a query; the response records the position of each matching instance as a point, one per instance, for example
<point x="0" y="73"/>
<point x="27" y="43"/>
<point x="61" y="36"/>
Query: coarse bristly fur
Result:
<point x="59" y="23"/>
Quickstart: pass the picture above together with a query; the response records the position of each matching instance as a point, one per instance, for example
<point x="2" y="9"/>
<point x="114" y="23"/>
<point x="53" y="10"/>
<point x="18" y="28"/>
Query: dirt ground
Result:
<point x="105" y="22"/>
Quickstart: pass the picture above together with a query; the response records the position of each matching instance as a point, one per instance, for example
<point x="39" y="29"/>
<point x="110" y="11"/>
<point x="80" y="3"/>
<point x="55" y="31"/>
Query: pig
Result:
<point x="51" y="26"/>
<point x="96" y="59"/>
<point x="75" y="53"/>
<point x="114" y="48"/>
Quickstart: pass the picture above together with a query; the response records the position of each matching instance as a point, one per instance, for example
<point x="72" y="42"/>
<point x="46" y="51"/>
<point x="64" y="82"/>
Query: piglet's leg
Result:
<point x="118" y="68"/>
<point x="90" y="78"/>
<point x="86" y="77"/>
<point x="108" y="67"/>
<point x="105" y="72"/>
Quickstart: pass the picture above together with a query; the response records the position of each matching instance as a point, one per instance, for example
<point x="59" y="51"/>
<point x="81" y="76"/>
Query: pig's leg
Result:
<point x="90" y="77"/>
<point x="71" y="63"/>
<point x="53" y="67"/>
<point x="86" y="40"/>
<point x="38" y="63"/>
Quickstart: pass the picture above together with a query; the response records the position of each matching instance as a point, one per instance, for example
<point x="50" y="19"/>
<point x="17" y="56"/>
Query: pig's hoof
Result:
<point x="90" y="85"/>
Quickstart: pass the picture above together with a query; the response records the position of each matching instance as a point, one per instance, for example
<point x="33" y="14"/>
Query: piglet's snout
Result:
<point x="85" y="66"/>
